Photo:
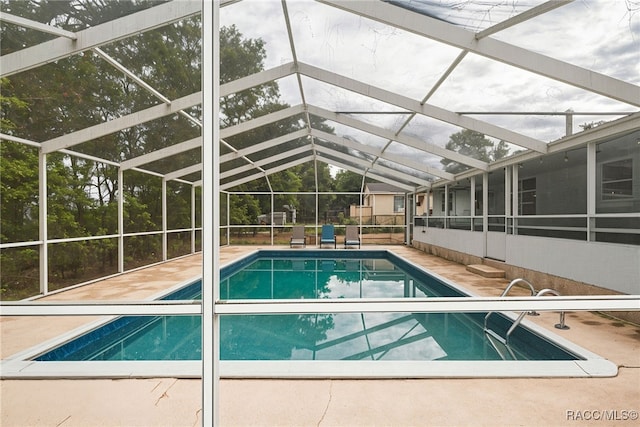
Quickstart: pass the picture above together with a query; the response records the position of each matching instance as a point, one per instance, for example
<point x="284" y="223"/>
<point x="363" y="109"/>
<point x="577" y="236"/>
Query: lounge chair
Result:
<point x="351" y="237"/>
<point x="328" y="235"/>
<point x="298" y="238"/>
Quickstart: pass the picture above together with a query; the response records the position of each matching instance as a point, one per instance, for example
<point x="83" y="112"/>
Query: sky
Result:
<point x="600" y="35"/>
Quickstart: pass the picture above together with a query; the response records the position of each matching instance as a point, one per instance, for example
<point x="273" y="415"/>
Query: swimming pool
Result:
<point x="283" y="345"/>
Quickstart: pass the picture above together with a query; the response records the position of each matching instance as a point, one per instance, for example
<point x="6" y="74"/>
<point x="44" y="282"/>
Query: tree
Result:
<point x="75" y="93"/>
<point x="475" y="145"/>
<point x="347" y="181"/>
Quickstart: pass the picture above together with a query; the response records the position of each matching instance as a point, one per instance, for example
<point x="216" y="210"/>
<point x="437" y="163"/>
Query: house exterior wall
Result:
<point x="609" y="266"/>
<point x="382" y="204"/>
<point x="572" y="214"/>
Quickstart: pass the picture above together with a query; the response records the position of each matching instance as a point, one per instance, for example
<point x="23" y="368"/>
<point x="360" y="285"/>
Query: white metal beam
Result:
<point x="263" y="162"/>
<point x="424" y="109"/>
<point x="108" y="32"/>
<point x="184" y="171"/>
<point x="386" y="155"/>
<point x="494" y="49"/>
<point x="407" y="140"/>
<point x="257" y="79"/>
<point x="115" y="125"/>
<point x="34" y="25"/>
<point x="473" y="304"/>
<point x="265" y="173"/>
<point x="261" y="121"/>
<point x="521" y="17"/>
<point x="162" y="153"/>
<point x="376" y="167"/>
<point x="263" y="145"/>
<point x="352" y="168"/>
<point x="255" y="176"/>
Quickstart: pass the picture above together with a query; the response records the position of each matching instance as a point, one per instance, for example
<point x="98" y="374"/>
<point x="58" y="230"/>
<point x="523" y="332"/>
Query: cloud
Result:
<point x="603" y="36"/>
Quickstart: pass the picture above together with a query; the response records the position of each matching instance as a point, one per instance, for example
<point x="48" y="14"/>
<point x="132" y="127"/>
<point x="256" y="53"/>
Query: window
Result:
<point x="527" y="196"/>
<point x="398" y="203"/>
<point x="450" y="203"/>
<point x="617" y="180"/>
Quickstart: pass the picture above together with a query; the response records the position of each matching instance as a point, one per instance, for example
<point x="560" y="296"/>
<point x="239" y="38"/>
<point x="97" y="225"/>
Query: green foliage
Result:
<point x="347" y="182"/>
<point x="474" y="145"/>
<point x="18" y="192"/>
<point x="244" y="209"/>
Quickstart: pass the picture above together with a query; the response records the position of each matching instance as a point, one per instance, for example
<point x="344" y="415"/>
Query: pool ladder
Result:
<point x="491" y="334"/>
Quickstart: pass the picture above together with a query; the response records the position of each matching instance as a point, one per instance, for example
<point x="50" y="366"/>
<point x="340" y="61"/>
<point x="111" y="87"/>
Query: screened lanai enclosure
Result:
<point x="136" y="132"/>
<point x="468" y="106"/>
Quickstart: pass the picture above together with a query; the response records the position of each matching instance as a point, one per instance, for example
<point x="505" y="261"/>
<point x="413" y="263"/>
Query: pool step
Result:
<point x="486" y="271"/>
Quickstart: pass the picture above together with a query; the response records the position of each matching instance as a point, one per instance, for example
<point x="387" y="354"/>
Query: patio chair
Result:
<point x="328" y="235"/>
<point x="351" y="237"/>
<point x="298" y="238"/>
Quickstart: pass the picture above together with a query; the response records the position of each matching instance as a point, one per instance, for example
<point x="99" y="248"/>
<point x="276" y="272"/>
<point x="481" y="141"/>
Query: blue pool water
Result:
<point x="321" y="336"/>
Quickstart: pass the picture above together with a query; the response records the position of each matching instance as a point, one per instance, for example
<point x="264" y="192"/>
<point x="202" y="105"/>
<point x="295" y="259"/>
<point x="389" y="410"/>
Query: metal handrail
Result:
<point x="515" y="324"/>
<point x="507" y="289"/>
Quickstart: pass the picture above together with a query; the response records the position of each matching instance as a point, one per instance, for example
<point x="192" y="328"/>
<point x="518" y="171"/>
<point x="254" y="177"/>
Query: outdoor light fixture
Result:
<point x="566" y="157"/>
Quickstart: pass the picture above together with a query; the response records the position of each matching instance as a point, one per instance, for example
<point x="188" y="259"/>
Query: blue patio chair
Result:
<point x="328" y="236"/>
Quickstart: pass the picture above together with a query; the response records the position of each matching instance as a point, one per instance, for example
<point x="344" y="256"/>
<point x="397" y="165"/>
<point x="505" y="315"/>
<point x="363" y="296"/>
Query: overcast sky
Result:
<point x="601" y="35"/>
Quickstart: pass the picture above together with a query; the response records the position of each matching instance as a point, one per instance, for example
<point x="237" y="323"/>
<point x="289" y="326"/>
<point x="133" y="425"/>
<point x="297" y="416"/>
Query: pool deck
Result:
<point x="408" y="402"/>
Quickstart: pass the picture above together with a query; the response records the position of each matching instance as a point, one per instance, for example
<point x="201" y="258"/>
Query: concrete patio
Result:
<point x="407" y="402"/>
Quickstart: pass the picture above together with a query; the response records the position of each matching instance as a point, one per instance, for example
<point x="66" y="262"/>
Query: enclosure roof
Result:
<point x="375" y="87"/>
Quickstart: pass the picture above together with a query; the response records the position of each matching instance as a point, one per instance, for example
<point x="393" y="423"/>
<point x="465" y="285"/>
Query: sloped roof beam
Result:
<point x="521" y="17"/>
<point x="386" y="155"/>
<point x="125" y="122"/>
<point x="256" y="176"/>
<point x="162" y="153"/>
<point x="287" y="20"/>
<point x="261" y="121"/>
<point x="257" y="79"/>
<point x="361" y="172"/>
<point x="404" y="139"/>
<point x="391" y="98"/>
<point x="34" y="25"/>
<point x="108" y="32"/>
<point x="425" y="109"/>
<point x="264" y="174"/>
<point x="263" y="145"/>
<point x="184" y="171"/>
<point x="289" y="165"/>
<point x="118" y="66"/>
<point x="493" y="49"/>
<point x="390" y="181"/>
<point x="377" y="167"/>
<point x="263" y="162"/>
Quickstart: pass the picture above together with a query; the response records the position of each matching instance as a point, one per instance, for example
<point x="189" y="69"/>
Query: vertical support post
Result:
<point x="507" y="196"/>
<point x="193" y="219"/>
<point x="473" y="202"/>
<point x="429" y="196"/>
<point x="515" y="201"/>
<point x="408" y="217"/>
<point x="317" y="217"/>
<point x="362" y="185"/>
<point x="164" y="219"/>
<point x="120" y="220"/>
<point x="272" y="218"/>
<point x="210" y="215"/>
<point x="42" y="222"/>
<point x="228" y="218"/>
<point x="591" y="191"/>
<point x="446" y="206"/>
<point x="485" y="210"/>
